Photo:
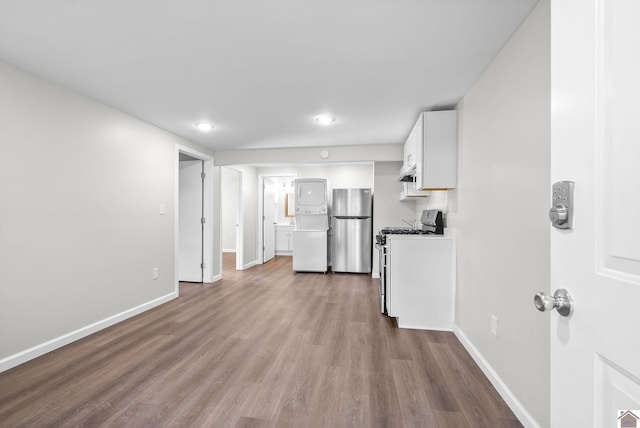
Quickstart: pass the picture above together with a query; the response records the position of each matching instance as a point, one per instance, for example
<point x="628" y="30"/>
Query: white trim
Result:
<point x="454" y="272"/>
<point x="216" y="278"/>
<point x="208" y="206"/>
<point x="217" y="220"/>
<point x="240" y="220"/>
<point x="229" y="250"/>
<point x="514" y="404"/>
<point x="43" y="348"/>
<point x="375" y="275"/>
<point x="248" y="265"/>
<point x="421" y="327"/>
<point x="208" y="252"/>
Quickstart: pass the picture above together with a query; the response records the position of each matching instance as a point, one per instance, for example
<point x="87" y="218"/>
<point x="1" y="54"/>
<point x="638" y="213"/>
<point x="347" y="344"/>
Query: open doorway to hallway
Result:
<point x="276" y="214"/>
<point x="231" y="217"/>
<point x="194" y="226"/>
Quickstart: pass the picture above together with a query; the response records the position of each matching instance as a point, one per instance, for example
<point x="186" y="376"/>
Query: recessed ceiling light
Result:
<point x="325" y="119"/>
<point x="204" y="126"/>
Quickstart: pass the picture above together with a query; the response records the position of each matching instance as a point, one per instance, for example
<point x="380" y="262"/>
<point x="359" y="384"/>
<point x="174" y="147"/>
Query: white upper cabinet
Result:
<point x="410" y="152"/>
<point x="433" y="145"/>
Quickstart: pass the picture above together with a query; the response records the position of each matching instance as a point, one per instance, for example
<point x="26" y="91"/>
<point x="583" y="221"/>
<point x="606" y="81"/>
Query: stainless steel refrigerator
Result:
<point x="351" y="230"/>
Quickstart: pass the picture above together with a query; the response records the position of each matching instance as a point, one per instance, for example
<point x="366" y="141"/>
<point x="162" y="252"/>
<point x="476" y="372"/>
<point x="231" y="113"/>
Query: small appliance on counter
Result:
<point x="432" y="222"/>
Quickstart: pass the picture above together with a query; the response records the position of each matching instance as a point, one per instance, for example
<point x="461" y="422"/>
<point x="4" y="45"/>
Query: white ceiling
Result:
<point x="261" y="70"/>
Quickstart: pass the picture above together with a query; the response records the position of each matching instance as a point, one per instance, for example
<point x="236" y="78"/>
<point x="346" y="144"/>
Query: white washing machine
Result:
<point x="309" y="250"/>
<point x="312" y="225"/>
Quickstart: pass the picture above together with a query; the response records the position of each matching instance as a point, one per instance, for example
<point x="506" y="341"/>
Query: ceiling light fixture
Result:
<point x="204" y="126"/>
<point x="325" y="119"/>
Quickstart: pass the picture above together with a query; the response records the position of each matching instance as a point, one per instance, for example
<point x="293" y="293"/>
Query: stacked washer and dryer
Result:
<point x="312" y="224"/>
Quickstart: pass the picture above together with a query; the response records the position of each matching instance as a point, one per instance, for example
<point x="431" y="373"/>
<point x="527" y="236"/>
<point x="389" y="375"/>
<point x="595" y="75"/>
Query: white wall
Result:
<point x="500" y="213"/>
<point x="437" y="200"/>
<point x="348" y="175"/>
<point x="388" y="210"/>
<point x="230" y="182"/>
<point x="80" y="229"/>
<point x="339" y="176"/>
<point x="302" y="155"/>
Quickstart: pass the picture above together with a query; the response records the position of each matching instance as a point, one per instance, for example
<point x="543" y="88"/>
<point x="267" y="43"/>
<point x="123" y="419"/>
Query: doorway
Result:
<point x="232" y="214"/>
<point x="194" y="220"/>
<point x="273" y="205"/>
<point x="190" y="219"/>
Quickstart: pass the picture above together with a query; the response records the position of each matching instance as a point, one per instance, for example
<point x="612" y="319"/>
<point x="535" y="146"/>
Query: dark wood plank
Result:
<point x="265" y="347"/>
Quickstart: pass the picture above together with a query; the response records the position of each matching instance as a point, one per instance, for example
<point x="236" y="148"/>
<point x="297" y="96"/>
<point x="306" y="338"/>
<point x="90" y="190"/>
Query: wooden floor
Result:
<point x="265" y="347"/>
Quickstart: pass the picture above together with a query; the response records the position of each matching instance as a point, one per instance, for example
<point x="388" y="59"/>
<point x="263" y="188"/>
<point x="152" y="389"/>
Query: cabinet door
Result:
<point x="290" y="240"/>
<point x="410" y="147"/>
<point x="437" y="161"/>
<point x="282" y="239"/>
<point x="421" y="290"/>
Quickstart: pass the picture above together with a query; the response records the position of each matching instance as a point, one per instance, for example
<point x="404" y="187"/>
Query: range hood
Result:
<point x="407" y="175"/>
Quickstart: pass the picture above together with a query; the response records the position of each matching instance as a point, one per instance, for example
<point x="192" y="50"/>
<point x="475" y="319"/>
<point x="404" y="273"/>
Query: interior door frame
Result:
<point x="208" y="272"/>
<point x="263" y="218"/>
<point x="261" y="178"/>
<point x="239" y="220"/>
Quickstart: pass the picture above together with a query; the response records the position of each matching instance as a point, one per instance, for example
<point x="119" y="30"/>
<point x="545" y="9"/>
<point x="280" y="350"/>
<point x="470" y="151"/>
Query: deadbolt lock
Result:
<point x="561" y="212"/>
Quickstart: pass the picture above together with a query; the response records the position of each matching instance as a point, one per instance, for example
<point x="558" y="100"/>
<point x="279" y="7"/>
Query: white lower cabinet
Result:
<point x="284" y="240"/>
<point x="420" y="280"/>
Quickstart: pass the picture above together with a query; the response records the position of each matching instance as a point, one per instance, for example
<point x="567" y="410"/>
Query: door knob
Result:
<point x="561" y="300"/>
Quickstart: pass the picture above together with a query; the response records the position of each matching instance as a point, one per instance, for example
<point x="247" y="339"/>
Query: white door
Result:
<point x="269" y="220"/>
<point x="190" y="221"/>
<point x="595" y="142"/>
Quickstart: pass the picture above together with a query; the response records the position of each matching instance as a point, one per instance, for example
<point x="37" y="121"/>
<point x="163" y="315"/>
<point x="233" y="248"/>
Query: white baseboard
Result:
<point x="375" y="275"/>
<point x="38" y="350"/>
<point x="248" y="265"/>
<point x="421" y="327"/>
<point x="514" y="404"/>
<point x="230" y="250"/>
<point x="215" y="278"/>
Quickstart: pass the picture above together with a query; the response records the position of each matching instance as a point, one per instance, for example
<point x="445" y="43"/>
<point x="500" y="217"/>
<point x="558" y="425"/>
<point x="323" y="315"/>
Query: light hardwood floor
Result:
<point x="264" y="347"/>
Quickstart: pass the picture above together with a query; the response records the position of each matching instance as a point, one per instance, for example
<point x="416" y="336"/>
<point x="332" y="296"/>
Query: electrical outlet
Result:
<point x="163" y="209"/>
<point x="155" y="273"/>
<point x="494" y="325"/>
